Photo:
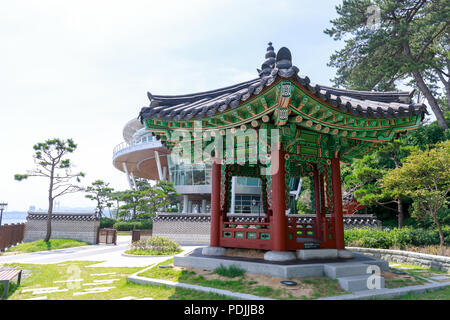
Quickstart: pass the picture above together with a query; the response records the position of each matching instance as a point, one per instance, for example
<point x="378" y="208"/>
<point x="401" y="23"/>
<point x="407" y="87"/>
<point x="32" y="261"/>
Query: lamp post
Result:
<point x="3" y="206"/>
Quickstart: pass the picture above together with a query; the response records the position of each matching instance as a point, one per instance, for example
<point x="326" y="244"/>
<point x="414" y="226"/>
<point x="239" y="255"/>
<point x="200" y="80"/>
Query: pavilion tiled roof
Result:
<point x="367" y="104"/>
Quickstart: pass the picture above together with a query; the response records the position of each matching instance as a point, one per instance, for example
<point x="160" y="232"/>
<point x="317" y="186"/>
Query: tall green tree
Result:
<point x="100" y="192"/>
<point x="387" y="41"/>
<point x="52" y="163"/>
<point x="425" y="177"/>
<point x="363" y="178"/>
<point x="147" y="200"/>
<point x="170" y="195"/>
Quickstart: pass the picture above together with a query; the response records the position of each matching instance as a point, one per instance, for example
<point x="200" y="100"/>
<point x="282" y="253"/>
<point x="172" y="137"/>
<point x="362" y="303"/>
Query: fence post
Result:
<point x="11" y="235"/>
<point x="2" y="239"/>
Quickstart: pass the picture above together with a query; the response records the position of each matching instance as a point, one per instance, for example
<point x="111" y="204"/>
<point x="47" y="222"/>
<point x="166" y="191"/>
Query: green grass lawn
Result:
<point x="418" y="272"/>
<point x="399" y="283"/>
<point x="41" y="245"/>
<point x="44" y="276"/>
<point x="441" y="294"/>
<point x="321" y="286"/>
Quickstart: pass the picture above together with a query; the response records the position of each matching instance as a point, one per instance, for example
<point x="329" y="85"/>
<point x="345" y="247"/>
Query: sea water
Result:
<point x="14" y="217"/>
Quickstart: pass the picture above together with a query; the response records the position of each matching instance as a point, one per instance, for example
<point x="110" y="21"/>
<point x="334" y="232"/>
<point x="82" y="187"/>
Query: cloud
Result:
<point x="81" y="70"/>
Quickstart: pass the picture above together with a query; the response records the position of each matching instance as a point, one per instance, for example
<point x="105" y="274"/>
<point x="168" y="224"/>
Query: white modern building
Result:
<point x="142" y="155"/>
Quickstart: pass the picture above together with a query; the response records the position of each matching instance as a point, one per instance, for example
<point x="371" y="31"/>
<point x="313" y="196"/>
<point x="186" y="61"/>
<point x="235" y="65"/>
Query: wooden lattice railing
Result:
<point x="11" y="234"/>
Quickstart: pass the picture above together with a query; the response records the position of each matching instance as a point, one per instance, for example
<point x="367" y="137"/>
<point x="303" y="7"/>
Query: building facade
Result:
<point x="142" y="155"/>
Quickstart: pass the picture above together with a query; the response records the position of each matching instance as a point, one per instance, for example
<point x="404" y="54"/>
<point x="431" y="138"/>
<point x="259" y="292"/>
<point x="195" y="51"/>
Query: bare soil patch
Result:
<point x="245" y="253"/>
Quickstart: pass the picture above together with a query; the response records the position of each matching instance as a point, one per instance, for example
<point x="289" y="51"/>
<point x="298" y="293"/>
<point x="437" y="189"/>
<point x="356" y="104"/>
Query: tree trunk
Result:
<point x="424" y="89"/>
<point x="441" y="234"/>
<point x="401" y="213"/>
<point x="446" y="83"/>
<point x="49" y="219"/>
<point x="431" y="100"/>
<point x="50" y="206"/>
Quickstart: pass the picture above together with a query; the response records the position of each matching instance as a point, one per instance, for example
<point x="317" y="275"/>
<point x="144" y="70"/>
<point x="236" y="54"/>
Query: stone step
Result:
<point x="311" y="254"/>
<point x="339" y="270"/>
<point x="361" y="283"/>
<point x="382" y="264"/>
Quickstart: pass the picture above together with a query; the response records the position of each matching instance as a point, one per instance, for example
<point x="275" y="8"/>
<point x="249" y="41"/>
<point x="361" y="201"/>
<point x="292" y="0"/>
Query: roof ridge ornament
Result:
<point x="153" y="102"/>
<point x="269" y="63"/>
<point x="284" y="58"/>
<point x="144" y="110"/>
<point x="277" y="64"/>
<point x="283" y="65"/>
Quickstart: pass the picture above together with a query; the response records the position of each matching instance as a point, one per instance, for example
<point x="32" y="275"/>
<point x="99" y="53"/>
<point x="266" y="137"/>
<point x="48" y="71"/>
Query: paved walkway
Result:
<point x="107" y="255"/>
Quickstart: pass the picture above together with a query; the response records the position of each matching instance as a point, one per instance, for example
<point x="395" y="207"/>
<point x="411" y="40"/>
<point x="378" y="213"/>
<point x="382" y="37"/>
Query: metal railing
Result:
<point x="126" y="147"/>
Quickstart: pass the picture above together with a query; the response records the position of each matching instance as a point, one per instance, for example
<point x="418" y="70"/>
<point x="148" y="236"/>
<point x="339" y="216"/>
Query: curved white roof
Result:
<point x="130" y="129"/>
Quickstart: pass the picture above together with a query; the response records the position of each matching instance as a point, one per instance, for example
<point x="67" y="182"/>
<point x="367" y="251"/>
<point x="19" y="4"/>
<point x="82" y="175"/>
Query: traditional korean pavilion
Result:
<point x="317" y="128"/>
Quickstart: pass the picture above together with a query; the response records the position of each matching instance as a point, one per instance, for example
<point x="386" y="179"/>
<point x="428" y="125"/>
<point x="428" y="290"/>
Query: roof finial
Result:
<point x="269" y="63"/>
<point x="284" y="58"/>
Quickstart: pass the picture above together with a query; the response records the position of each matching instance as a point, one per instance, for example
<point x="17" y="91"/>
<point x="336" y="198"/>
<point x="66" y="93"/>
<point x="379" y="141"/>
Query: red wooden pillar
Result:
<point x="317" y="203"/>
<point x="322" y="207"/>
<point x="279" y="219"/>
<point x="215" y="203"/>
<point x="337" y="203"/>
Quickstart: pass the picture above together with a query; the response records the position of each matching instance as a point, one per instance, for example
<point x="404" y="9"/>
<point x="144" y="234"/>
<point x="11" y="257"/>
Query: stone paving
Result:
<point x="107" y="255"/>
<point x="440" y="278"/>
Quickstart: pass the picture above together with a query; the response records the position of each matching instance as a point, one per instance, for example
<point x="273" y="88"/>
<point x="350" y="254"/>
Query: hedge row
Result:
<point x="130" y="225"/>
<point x="107" y="222"/>
<point x="387" y="238"/>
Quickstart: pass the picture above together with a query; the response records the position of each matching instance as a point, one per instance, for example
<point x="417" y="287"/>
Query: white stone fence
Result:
<point x="407" y="257"/>
<point x="65" y="225"/>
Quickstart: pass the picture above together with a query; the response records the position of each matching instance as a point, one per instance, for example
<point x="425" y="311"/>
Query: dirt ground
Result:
<point x="246" y="253"/>
<point x="387" y="275"/>
<point x="301" y="290"/>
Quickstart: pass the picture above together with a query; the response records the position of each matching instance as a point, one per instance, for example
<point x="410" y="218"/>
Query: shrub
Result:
<point x="154" y="246"/>
<point x="387" y="238"/>
<point x="134" y="224"/>
<point x="302" y="208"/>
<point x="230" y="272"/>
<point x="107" y="222"/>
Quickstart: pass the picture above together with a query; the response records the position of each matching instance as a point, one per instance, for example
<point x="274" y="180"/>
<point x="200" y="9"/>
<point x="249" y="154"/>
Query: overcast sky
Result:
<point x="81" y="70"/>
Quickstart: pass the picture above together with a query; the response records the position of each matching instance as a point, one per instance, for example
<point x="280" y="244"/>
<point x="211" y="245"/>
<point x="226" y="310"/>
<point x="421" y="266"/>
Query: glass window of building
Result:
<point x="246" y="181"/>
<point x="246" y="204"/>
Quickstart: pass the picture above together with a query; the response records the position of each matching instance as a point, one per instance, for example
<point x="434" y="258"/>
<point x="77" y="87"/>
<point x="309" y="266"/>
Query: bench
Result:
<point x="6" y="276"/>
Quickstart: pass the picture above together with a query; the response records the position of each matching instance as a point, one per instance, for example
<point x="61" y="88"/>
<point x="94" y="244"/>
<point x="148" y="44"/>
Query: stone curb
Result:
<point x="159" y="282"/>
<point x="144" y="256"/>
<point x="388" y="293"/>
<point x="399" y="256"/>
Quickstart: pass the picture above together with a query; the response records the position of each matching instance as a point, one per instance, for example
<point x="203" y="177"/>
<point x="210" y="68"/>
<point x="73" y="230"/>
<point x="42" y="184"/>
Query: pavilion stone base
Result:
<point x="214" y="251"/>
<point x="342" y="269"/>
<point x="279" y="256"/>
<point x="312" y="254"/>
<point x="345" y="254"/>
